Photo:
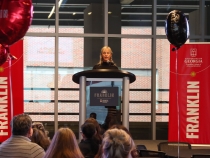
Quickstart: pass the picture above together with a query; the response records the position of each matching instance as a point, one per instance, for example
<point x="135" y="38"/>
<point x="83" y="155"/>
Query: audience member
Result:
<point x="64" y="145"/>
<point x="134" y="152"/>
<point x="40" y="138"/>
<point x="99" y="153"/>
<point x="19" y="145"/>
<point x="117" y="144"/>
<point x="88" y="146"/>
<point x="97" y="136"/>
<point x="40" y="135"/>
<point x="40" y="126"/>
<point x="93" y="115"/>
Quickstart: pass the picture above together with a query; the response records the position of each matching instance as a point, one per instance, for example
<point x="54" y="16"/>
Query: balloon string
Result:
<point x="177" y="97"/>
<point x="10" y="82"/>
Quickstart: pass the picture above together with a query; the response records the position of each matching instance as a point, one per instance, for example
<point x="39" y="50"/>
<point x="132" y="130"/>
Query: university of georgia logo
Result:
<point x="193" y="52"/>
<point x="193" y="61"/>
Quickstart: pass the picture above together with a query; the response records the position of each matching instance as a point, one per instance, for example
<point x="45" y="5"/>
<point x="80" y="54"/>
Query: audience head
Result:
<point x="95" y="122"/>
<point x="40" y="138"/>
<point x="88" y="130"/>
<point x="117" y="143"/>
<point x="21" y="125"/>
<point x="40" y="126"/>
<point x="93" y="115"/>
<point x="64" y="144"/>
<point x="98" y="129"/>
<point x="134" y="152"/>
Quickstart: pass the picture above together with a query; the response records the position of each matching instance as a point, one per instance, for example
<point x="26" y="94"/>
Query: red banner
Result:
<point x="11" y="89"/>
<point x="189" y="101"/>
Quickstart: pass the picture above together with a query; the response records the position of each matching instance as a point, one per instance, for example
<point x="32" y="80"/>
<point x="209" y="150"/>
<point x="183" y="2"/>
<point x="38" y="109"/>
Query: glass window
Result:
<point x="126" y="19"/>
<point x="81" y="17"/>
<point x="43" y="17"/>
<point x="39" y="79"/>
<point x="187" y="7"/>
<point x="136" y="17"/>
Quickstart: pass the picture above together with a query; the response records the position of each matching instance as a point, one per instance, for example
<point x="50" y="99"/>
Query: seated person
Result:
<point x="88" y="146"/>
<point x="134" y="152"/>
<point x="97" y="136"/>
<point x="40" y="126"/>
<point x="117" y="144"/>
<point x="19" y="145"/>
<point x="64" y="145"/>
<point x="40" y="138"/>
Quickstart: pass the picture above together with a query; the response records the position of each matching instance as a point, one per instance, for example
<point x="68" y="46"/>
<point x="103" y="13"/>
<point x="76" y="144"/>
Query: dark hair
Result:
<point x="99" y="153"/>
<point x="40" y="126"/>
<point x="21" y="124"/>
<point x="88" y="129"/>
<point x="93" y="115"/>
<point x="40" y="138"/>
<point x="98" y="137"/>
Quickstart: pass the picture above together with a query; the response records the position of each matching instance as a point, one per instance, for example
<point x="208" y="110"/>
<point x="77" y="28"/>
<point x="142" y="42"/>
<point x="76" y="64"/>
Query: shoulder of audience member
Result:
<point x="37" y="151"/>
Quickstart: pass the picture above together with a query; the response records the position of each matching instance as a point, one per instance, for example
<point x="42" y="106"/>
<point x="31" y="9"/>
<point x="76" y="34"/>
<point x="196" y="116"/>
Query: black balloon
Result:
<point x="177" y="28"/>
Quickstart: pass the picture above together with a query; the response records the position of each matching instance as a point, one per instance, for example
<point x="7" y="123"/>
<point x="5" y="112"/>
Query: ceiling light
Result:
<point x="89" y="13"/>
<point x="53" y="9"/>
<point x="109" y="12"/>
<point x="74" y="13"/>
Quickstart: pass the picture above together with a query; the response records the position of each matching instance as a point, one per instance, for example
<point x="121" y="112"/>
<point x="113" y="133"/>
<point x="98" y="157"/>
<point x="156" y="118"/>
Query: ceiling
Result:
<point x="133" y="12"/>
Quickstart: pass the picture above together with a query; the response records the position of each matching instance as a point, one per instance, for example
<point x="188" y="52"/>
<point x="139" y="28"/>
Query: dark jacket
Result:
<point x="105" y="65"/>
<point x="89" y="147"/>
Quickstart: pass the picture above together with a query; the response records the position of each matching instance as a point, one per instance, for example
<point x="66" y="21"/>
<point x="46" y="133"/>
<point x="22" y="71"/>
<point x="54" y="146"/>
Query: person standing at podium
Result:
<point x="105" y="61"/>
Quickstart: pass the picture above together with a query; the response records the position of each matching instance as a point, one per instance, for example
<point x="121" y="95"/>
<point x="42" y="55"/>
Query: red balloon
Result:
<point x="15" y="19"/>
<point x="3" y="54"/>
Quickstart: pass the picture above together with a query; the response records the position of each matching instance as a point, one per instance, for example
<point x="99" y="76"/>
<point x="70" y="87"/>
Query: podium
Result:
<point x="100" y="75"/>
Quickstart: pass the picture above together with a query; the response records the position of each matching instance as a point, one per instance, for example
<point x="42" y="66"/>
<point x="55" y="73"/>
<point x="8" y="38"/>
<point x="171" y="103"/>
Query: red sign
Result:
<point x="11" y="89"/>
<point x="189" y="103"/>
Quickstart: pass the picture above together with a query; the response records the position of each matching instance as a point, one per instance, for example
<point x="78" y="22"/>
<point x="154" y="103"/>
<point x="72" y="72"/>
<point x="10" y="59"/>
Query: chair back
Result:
<point x="151" y="153"/>
<point x="166" y="146"/>
<point x="141" y="147"/>
<point x="201" y="156"/>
